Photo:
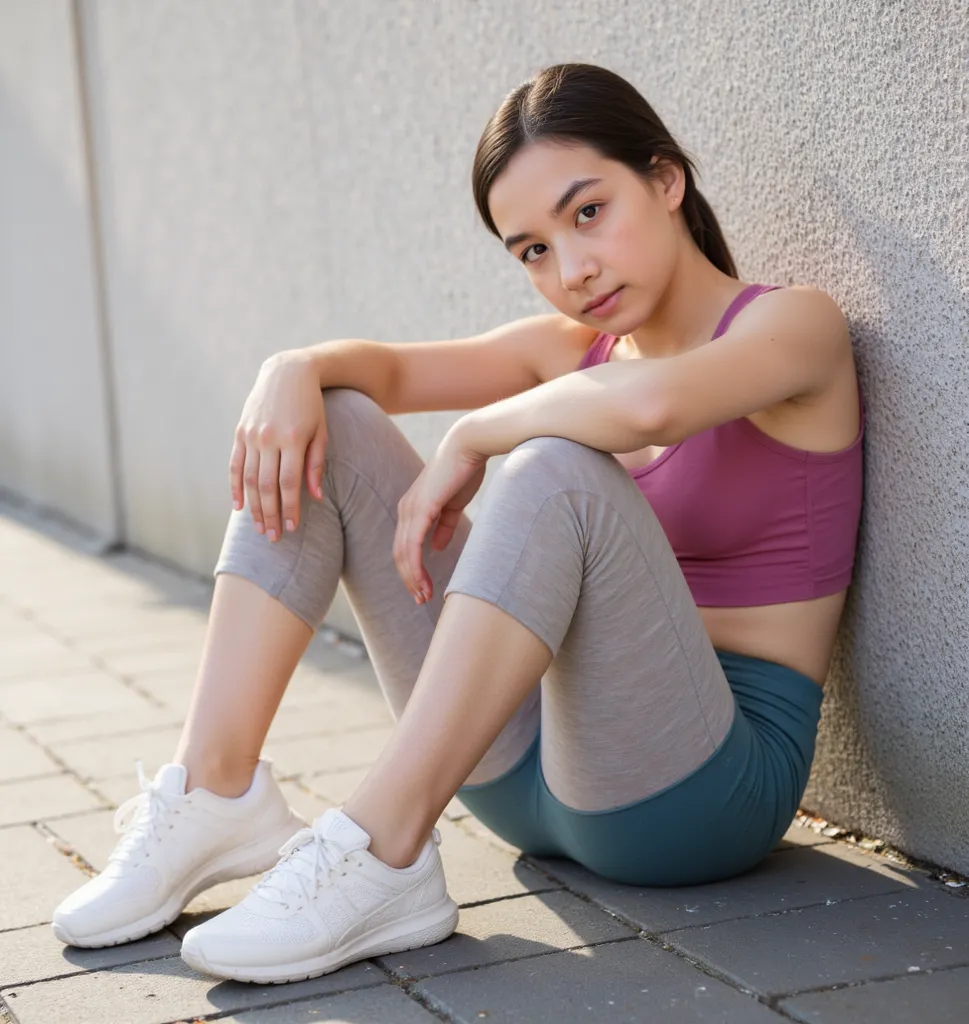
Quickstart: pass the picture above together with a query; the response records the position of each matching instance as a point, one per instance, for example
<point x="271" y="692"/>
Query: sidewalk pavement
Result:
<point x="97" y="656"/>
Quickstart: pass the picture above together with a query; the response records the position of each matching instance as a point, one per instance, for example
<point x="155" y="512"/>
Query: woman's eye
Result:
<point x="588" y="211"/>
<point x="532" y="253"/>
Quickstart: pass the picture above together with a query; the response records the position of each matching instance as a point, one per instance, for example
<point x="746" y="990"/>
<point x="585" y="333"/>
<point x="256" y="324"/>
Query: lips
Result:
<point x="600" y="300"/>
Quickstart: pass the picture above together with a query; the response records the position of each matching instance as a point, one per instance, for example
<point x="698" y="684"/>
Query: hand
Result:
<point x="281" y="433"/>
<point x="444" y="487"/>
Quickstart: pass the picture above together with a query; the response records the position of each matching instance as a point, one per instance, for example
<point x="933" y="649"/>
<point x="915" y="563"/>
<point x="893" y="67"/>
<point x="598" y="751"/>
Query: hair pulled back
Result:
<point x="583" y="103"/>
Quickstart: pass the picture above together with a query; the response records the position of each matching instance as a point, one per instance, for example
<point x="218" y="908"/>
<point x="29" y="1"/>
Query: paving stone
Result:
<point x="106" y="758"/>
<point x="156" y="659"/>
<point x="173" y="688"/>
<point x="856" y="940"/>
<point x="481" y="831"/>
<point x="941" y="997"/>
<point x="47" y="797"/>
<point x="85" y="622"/>
<point x="67" y="696"/>
<point x="325" y="716"/>
<point x="47" y="587"/>
<point x="34" y="879"/>
<point x="456" y="811"/>
<point x="786" y="880"/>
<point x="152" y="636"/>
<point x="379" y="1005"/>
<point x="92" y="836"/>
<point x="617" y="983"/>
<point x="33" y="954"/>
<point x="509" y="930"/>
<point x="120" y="788"/>
<point x="350" y="749"/>
<point x="476" y="870"/>
<point x="211" y="902"/>
<point x="163" y="990"/>
<point x="108" y="724"/>
<point x="336" y="786"/>
<point x="14" y="623"/>
<point x="309" y="805"/>
<point x="175" y="586"/>
<point x="803" y="835"/>
<point x="170" y="687"/>
<point x="20" y="758"/>
<point x="38" y="655"/>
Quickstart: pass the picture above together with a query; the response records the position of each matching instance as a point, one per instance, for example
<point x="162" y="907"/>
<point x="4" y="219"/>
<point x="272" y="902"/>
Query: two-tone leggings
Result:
<point x="641" y="741"/>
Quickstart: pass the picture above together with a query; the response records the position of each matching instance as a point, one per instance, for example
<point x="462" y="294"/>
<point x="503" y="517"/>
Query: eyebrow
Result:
<point x="567" y="196"/>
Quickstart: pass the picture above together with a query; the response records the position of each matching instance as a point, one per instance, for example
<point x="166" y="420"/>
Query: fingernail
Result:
<point x="290" y="525"/>
<point x="260" y="528"/>
<point x="272" y="535"/>
<point x="237" y="505"/>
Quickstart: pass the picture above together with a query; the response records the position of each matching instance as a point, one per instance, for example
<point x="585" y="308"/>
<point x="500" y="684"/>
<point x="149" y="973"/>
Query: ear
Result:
<point x="670" y="179"/>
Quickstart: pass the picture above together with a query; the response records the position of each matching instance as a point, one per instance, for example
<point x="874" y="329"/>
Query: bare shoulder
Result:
<point x="804" y="317"/>
<point x="825" y="417"/>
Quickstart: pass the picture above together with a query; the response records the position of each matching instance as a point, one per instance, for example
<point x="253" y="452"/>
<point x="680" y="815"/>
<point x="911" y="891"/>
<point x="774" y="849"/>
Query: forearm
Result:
<point x="610" y="407"/>
<point x="367" y="366"/>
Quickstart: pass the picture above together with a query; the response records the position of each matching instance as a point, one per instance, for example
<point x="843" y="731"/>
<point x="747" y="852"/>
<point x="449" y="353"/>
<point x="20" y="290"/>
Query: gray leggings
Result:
<point x="634" y="699"/>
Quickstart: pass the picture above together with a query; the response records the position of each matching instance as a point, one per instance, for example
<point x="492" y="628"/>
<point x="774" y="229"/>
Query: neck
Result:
<point x="688" y="311"/>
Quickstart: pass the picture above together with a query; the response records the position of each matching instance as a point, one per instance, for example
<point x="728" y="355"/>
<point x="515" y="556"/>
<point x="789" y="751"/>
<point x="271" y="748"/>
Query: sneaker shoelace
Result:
<point x="307" y="862"/>
<point x="142" y="818"/>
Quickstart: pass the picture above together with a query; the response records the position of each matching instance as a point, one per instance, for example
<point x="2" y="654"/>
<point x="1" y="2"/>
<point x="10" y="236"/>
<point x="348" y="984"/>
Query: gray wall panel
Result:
<point x="54" y="439"/>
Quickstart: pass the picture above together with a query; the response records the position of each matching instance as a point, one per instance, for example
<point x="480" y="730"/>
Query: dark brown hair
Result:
<point x="582" y="103"/>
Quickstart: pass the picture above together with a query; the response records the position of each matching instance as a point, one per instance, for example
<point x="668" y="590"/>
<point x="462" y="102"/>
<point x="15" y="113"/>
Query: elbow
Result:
<point x="652" y="415"/>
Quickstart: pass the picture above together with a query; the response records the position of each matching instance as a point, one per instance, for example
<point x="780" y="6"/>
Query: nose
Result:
<point x="576" y="267"/>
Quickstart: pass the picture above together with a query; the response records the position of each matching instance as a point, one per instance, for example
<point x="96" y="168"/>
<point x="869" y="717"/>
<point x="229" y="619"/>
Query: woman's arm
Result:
<point x="463" y="373"/>
<point x="789" y="343"/>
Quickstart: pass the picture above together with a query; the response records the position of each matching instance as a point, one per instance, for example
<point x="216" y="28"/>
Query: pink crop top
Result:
<point x="751" y="520"/>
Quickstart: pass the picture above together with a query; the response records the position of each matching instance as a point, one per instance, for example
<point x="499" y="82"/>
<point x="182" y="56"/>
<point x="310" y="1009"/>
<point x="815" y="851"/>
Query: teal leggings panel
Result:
<point x="720" y="820"/>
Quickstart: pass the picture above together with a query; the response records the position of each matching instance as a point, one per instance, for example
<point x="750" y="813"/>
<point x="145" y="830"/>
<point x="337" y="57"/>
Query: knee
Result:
<point x="343" y="403"/>
<point x="351" y="415"/>
<point x="557" y="461"/>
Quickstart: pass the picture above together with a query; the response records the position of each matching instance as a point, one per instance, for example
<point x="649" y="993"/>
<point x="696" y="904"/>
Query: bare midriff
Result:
<point x="799" y="635"/>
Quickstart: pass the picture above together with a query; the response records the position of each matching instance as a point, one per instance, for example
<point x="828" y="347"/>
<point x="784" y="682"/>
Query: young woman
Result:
<point x="630" y="657"/>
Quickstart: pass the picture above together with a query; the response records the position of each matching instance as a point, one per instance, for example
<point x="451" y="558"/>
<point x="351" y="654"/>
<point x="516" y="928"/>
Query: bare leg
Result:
<point x="252" y="647"/>
<point x="480" y="666"/>
<point x="269" y="597"/>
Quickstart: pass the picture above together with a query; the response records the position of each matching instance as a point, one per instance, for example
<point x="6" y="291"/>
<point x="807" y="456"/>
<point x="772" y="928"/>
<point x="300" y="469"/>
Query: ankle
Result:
<point x="225" y="779"/>
<point x="396" y="844"/>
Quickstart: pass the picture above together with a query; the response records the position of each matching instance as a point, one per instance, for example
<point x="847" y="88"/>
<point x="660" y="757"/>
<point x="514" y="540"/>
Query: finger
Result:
<point x="444" y="531"/>
<point x="414" y="555"/>
<point x="269" y="491"/>
<point x="401" y="547"/>
<point x="250" y="476"/>
<point x="237" y="461"/>
<point x="314" y="463"/>
<point x="398" y="550"/>
<point x="290" y="481"/>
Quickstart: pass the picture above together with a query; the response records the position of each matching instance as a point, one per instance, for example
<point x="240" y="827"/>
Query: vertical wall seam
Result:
<point x="105" y="345"/>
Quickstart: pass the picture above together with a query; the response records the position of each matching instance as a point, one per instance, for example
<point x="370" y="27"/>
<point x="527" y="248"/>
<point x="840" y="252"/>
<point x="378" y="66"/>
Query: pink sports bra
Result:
<point x="753" y="521"/>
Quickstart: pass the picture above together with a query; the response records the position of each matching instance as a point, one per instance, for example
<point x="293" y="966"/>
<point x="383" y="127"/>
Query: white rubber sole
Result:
<point x="239" y="863"/>
<point x="425" y="929"/>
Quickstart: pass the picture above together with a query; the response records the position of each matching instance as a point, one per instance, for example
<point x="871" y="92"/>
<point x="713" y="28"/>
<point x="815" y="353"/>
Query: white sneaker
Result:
<point x="327" y="903"/>
<point x="174" y="846"/>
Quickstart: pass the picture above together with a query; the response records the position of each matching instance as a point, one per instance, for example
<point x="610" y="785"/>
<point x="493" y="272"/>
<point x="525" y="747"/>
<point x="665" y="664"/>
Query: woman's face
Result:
<point x="597" y="241"/>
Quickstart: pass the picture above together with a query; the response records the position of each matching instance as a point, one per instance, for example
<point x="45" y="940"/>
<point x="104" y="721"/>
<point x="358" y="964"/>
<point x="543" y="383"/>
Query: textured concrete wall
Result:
<point x="274" y="174"/>
<point x="54" y="435"/>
